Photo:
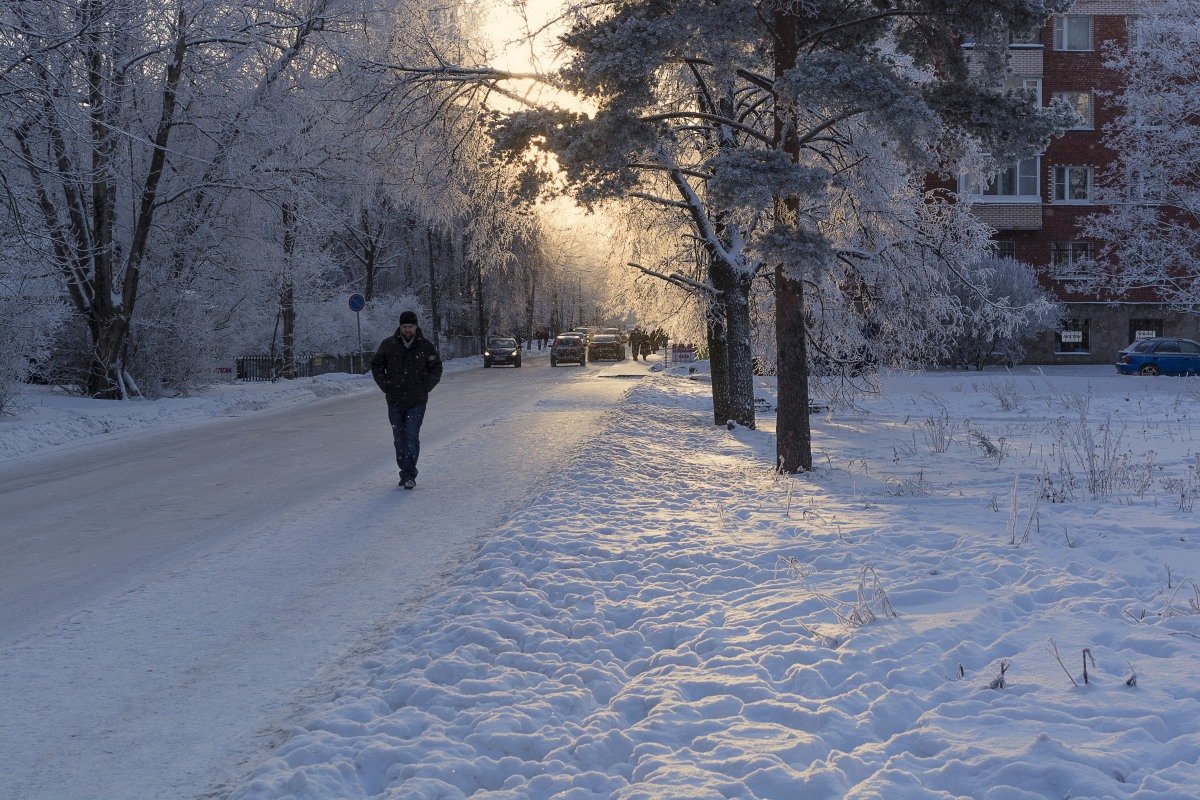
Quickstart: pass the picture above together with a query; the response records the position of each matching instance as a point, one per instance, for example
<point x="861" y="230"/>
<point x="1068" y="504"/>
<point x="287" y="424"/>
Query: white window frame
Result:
<point x="1133" y="33"/>
<point x="1062" y="30"/>
<point x="1137" y="189"/>
<point x="1075" y="267"/>
<point x="1089" y="122"/>
<point x="1025" y="169"/>
<point x="1062" y="182"/>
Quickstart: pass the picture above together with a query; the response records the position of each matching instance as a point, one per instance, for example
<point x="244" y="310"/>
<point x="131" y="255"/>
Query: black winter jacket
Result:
<point x="406" y="374"/>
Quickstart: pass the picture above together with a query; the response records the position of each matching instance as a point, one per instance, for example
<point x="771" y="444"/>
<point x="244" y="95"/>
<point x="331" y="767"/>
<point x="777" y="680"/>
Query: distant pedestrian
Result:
<point x="407" y="367"/>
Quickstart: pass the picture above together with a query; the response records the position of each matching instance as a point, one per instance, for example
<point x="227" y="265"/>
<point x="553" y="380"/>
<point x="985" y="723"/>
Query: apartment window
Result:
<point x="1015" y="183"/>
<point x="1132" y="25"/>
<point x="1140" y="34"/>
<point x="1073" y="338"/>
<point x="1145" y="329"/>
<point x="1146" y="187"/>
<point x="1071" y="259"/>
<point x="1004" y="248"/>
<point x="1081" y="104"/>
<point x="1072" y="184"/>
<point x="1073" y="32"/>
<point x="1031" y="85"/>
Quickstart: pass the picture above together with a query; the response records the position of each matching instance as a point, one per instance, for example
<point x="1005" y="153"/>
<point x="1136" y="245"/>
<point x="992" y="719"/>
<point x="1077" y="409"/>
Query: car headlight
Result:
<point x="486" y="353"/>
<point x="513" y="353"/>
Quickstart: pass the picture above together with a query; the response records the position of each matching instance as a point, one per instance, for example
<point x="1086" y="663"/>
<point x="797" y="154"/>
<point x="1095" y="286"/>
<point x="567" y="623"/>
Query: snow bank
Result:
<point x="671" y="619"/>
<point x="47" y="418"/>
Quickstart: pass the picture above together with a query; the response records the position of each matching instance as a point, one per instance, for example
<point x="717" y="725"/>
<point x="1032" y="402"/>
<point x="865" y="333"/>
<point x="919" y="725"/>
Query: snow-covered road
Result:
<point x="167" y="601"/>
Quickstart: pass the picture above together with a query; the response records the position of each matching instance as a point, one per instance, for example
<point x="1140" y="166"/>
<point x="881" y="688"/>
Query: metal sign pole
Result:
<point x="357" y="304"/>
<point x="358" y="324"/>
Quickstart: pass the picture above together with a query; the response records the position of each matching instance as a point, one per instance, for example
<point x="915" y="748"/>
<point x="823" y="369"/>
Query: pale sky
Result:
<point x="506" y="28"/>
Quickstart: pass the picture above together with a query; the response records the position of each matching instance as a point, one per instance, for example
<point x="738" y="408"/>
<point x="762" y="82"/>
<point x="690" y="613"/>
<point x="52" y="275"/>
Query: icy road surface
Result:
<point x="168" y="601"/>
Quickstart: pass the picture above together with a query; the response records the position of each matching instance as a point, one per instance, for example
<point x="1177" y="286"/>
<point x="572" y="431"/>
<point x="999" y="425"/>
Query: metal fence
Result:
<point x="459" y="346"/>
<point x="265" y="368"/>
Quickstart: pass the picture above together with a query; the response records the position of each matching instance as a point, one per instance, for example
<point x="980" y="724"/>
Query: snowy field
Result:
<point x="669" y="619"/>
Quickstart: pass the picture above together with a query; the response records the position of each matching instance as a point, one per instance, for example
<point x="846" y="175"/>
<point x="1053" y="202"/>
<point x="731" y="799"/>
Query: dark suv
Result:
<point x="570" y="348"/>
<point x="606" y="347"/>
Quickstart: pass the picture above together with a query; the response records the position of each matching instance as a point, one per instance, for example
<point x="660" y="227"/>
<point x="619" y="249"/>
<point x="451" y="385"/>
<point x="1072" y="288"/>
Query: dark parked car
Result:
<point x="570" y="348"/>
<point x="502" y="351"/>
<point x="1160" y="356"/>
<point x="605" y="347"/>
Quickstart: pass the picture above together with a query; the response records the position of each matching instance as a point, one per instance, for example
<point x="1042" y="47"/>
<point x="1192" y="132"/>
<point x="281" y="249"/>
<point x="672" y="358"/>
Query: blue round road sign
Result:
<point x="357" y="302"/>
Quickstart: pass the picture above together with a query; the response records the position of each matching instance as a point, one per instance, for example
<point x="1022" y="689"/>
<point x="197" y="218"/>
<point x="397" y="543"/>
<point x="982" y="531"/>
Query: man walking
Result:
<point x="406" y="367"/>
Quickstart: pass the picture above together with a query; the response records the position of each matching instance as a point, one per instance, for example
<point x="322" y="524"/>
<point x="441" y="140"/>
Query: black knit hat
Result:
<point x="408" y="318"/>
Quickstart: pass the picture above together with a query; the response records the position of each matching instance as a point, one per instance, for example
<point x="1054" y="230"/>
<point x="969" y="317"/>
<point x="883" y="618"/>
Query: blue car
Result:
<point x="1160" y="356"/>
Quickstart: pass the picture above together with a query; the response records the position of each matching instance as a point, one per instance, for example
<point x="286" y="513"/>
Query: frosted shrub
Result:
<point x="172" y="346"/>
<point x="1098" y="454"/>
<point x="1187" y="488"/>
<point x="870" y="603"/>
<point x="1078" y="402"/>
<point x="938" y="432"/>
<point x="1001" y="309"/>
<point x="1184" y="601"/>
<point x="1057" y="488"/>
<point x="1007" y="394"/>
<point x="991" y="449"/>
<point x="910" y="487"/>
<point x="30" y="315"/>
<point x="1032" y="518"/>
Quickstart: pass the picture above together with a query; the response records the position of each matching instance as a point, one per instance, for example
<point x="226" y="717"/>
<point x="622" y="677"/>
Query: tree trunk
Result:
<point x="370" y="256"/>
<point x="718" y="363"/>
<point x="740" y="354"/>
<point x="434" y="315"/>
<point x="555" y="312"/>
<point x="480" y="305"/>
<point x="108" y="339"/>
<point x="793" y="432"/>
<point x="738" y="362"/>
<point x="287" y="298"/>
<point x="530" y="300"/>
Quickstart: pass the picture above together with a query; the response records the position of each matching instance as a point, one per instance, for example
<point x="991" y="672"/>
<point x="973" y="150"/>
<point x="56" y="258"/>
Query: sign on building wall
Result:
<point x="1072" y="336"/>
<point x="1144" y="334"/>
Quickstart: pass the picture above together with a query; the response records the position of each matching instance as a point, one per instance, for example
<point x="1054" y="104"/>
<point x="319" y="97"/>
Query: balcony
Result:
<point x="1010" y="216"/>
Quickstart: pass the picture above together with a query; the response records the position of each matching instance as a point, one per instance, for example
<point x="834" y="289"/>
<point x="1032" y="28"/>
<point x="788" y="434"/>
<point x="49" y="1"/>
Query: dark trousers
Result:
<point x="406" y="434"/>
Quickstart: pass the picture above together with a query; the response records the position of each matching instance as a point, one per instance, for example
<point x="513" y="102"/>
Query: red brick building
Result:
<point x="1037" y="206"/>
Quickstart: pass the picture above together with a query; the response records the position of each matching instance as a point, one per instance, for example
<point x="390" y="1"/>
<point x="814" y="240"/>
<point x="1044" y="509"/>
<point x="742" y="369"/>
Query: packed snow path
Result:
<point x="166" y="601"/>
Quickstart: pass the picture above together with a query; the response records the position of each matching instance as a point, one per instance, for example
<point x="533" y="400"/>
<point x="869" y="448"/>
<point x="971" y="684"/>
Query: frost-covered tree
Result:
<point x="759" y="121"/>
<point x="95" y="95"/>
<point x="1151" y="228"/>
<point x="197" y="170"/>
<point x="31" y="311"/>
